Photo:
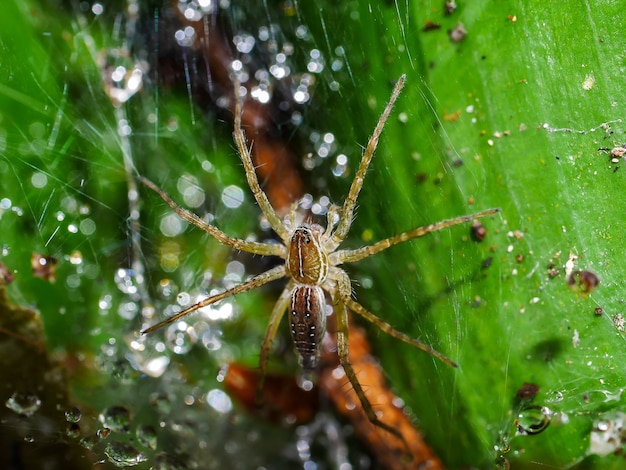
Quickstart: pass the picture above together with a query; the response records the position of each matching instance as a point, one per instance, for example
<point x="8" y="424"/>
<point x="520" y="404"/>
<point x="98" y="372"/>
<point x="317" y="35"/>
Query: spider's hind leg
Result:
<point x="344" y="289"/>
<point x="268" y="339"/>
<point x="341" y="313"/>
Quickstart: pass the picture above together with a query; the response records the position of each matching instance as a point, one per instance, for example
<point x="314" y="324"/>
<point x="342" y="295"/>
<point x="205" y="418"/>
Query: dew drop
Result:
<point x="156" y="366"/>
<point x="219" y="401"/>
<point x="302" y="32"/>
<point x="87" y="227"/>
<point x="76" y="257"/>
<point x="533" y="420"/>
<point x="235" y="270"/>
<point x="128" y="310"/>
<point x="244" y="42"/>
<point x="105" y="303"/>
<point x="147" y="436"/>
<point x="211" y="339"/>
<point x="88" y="442"/>
<point x="125" y="281"/>
<point x="23" y="403"/>
<point x="116" y="418"/>
<point x="73" y="431"/>
<point x="167" y="289"/>
<point x="123" y="455"/>
<point x="180" y="337"/>
<point x="232" y="196"/>
<point x="39" y="180"/>
<point x="73" y="415"/>
<point x="184" y="37"/>
<point x="171" y="225"/>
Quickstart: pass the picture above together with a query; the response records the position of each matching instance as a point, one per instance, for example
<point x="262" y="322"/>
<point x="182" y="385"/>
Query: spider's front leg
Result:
<point x="332" y="219"/>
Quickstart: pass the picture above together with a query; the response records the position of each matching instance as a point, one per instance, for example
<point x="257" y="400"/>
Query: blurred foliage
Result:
<point x="512" y="116"/>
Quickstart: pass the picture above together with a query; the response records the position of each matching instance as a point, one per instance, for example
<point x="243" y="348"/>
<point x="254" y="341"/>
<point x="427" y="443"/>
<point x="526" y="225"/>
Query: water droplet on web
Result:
<point x="122" y="79"/>
<point x="88" y="442"/>
<point x="39" y="180"/>
<point x="316" y="62"/>
<point x="23" y="403"/>
<point x="211" y="339"/>
<point x="73" y="431"/>
<point x="155" y="366"/>
<point x="97" y="9"/>
<point x="128" y="310"/>
<point x="167" y="289"/>
<point x="235" y="271"/>
<point x="116" y="418"/>
<point x="302" y="32"/>
<point x="73" y="415"/>
<point x="105" y="303"/>
<point x="261" y="93"/>
<point x="123" y="455"/>
<point x="180" y="337"/>
<point x="219" y="401"/>
<point x="232" y="196"/>
<point x="195" y="11"/>
<point x="305" y="382"/>
<point x="533" y="420"/>
<point x="147" y="436"/>
<point x="125" y="281"/>
<point x="244" y="42"/>
<point x="185" y="37"/>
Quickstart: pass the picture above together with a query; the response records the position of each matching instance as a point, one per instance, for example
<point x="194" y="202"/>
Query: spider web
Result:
<point x="71" y="148"/>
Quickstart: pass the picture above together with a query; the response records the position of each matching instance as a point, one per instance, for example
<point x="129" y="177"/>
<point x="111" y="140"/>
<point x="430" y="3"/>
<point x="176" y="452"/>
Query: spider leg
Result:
<point x="240" y="140"/>
<point x="341" y="313"/>
<point x="256" y="281"/>
<point x="270" y="333"/>
<point x="293" y="214"/>
<point x="350" y="256"/>
<point x="348" y="207"/>
<point x="331" y="215"/>
<point x="250" y="247"/>
<point x="345" y="291"/>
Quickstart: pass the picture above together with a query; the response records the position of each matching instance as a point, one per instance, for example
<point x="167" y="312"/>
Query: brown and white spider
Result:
<point x="312" y="261"/>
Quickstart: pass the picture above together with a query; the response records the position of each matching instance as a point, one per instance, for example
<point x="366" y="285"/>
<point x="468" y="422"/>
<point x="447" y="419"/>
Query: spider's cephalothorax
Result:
<point x="311" y="265"/>
<point x="307" y="261"/>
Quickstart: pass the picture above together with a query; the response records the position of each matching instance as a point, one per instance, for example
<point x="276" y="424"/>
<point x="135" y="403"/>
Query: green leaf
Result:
<point x="510" y="117"/>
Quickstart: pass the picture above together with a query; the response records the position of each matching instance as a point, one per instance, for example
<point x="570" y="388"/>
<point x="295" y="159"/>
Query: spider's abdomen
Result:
<point x="308" y="323"/>
<point x="307" y="261"/>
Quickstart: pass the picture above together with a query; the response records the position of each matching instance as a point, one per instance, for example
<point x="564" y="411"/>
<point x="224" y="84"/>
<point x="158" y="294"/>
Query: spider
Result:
<point x="312" y="266"/>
